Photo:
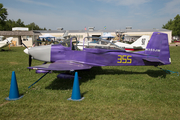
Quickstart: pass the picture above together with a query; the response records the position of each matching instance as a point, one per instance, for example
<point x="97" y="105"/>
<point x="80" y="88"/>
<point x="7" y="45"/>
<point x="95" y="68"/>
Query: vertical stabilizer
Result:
<point x="141" y="42"/>
<point x="158" y="46"/>
<point x="65" y="34"/>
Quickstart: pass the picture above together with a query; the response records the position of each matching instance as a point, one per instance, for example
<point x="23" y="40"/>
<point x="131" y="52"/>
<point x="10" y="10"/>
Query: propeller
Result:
<point x="30" y="57"/>
<point x="30" y="60"/>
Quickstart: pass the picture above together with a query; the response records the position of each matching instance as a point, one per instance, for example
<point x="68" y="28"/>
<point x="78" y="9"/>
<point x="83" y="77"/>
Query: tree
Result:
<point x="33" y="26"/>
<point x="7" y="25"/>
<point x="3" y="16"/>
<point x="168" y="25"/>
<point x="19" y="23"/>
<point x="173" y="25"/>
<point x="3" y="13"/>
<point x="11" y="23"/>
<point x="176" y="25"/>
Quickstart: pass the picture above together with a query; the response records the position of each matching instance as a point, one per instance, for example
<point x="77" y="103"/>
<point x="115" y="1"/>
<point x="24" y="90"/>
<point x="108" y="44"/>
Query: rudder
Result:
<point x="158" y="46"/>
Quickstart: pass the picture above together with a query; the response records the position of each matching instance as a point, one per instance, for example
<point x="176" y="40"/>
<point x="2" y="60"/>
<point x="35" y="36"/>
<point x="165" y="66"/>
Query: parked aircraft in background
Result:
<point x="5" y="42"/>
<point x="96" y="41"/>
<point x="139" y="44"/>
<point x="65" y="35"/>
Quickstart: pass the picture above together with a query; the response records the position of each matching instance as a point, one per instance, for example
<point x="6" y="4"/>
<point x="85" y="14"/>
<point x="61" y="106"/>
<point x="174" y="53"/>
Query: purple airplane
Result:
<point x="66" y="57"/>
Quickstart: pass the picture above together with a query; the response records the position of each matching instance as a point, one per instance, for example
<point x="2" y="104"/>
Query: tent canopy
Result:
<point x="107" y="35"/>
<point x="46" y="36"/>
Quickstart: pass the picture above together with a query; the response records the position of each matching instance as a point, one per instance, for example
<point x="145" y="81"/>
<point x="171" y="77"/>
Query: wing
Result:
<point x="62" y="65"/>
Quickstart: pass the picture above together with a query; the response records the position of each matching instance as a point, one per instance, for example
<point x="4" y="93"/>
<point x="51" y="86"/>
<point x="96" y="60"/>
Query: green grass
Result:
<point x="132" y="92"/>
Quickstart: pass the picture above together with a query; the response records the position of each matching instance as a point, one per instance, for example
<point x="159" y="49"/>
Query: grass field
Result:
<point x="134" y="92"/>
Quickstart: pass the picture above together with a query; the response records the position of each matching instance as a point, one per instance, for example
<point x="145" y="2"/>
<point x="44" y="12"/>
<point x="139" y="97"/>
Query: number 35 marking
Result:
<point x="124" y="59"/>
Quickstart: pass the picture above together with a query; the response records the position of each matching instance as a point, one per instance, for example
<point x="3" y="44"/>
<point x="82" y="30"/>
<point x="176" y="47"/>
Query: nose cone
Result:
<point x="26" y="51"/>
<point x="42" y="53"/>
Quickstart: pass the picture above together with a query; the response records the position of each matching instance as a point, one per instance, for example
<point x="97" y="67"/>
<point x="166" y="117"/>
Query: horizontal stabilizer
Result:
<point x="153" y="60"/>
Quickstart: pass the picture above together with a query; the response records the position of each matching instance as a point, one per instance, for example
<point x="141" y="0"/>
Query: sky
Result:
<point x="78" y="14"/>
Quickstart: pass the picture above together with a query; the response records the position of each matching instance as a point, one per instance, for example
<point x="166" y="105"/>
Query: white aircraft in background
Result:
<point x="139" y="44"/>
<point x="65" y="35"/>
<point x="96" y="41"/>
<point x="5" y="42"/>
<point x="94" y="44"/>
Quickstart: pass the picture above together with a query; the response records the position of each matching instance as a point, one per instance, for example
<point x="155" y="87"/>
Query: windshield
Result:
<point x="71" y="42"/>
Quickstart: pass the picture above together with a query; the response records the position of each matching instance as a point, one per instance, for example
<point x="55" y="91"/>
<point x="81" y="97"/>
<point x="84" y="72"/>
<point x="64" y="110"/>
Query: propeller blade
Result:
<point x="30" y="60"/>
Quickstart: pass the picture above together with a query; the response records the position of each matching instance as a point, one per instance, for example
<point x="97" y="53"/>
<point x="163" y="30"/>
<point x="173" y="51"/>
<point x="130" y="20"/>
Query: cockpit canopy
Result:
<point x="90" y="42"/>
<point x="98" y="42"/>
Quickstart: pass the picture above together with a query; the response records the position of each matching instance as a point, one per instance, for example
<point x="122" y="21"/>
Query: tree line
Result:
<point x="7" y="25"/>
<point x="173" y="25"/>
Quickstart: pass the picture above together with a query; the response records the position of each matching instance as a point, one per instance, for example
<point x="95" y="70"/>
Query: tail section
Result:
<point x="141" y="42"/>
<point x="158" y="47"/>
<point x="6" y="42"/>
<point x="9" y="39"/>
<point x="65" y="34"/>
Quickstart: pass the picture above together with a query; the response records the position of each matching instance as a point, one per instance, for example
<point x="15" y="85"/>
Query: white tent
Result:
<point x="46" y="36"/>
<point x="107" y="35"/>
